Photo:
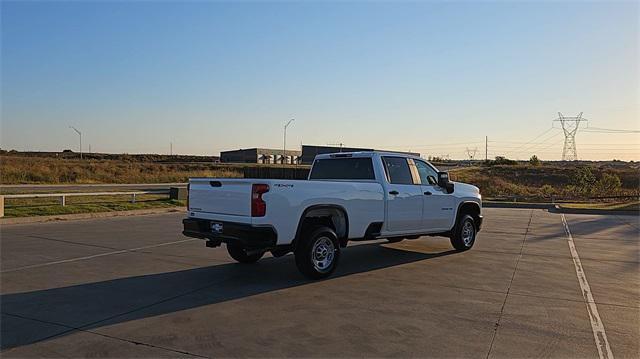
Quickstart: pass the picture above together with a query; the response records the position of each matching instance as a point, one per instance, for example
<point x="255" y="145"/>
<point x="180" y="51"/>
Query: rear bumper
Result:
<point x="250" y="237"/>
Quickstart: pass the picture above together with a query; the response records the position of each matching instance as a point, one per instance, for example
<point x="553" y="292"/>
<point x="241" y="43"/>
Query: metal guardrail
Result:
<point x="63" y="196"/>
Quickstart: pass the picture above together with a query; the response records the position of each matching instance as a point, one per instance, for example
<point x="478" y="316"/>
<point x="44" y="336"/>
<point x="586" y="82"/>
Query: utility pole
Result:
<point x="284" y="146"/>
<point x="570" y="126"/>
<point x="79" y="134"/>
<point x="337" y="144"/>
<point x="486" y="148"/>
<point x="171" y="149"/>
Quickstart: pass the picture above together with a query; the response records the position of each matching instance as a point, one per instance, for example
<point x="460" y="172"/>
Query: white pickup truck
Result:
<point x="348" y="197"/>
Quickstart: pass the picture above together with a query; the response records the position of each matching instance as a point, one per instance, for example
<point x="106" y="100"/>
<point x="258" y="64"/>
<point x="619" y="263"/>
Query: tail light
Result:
<point x="258" y="206"/>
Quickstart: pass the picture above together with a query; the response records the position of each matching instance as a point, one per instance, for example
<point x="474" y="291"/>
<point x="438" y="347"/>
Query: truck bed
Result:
<point x="225" y="199"/>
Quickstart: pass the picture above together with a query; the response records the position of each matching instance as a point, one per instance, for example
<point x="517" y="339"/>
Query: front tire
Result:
<point x="464" y="234"/>
<point x="238" y="253"/>
<point x="317" y="252"/>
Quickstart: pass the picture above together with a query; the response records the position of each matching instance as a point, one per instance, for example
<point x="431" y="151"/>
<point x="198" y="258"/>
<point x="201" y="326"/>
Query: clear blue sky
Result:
<point x="431" y="77"/>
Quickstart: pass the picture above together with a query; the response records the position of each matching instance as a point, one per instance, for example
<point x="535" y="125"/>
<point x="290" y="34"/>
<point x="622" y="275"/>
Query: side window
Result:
<point x="397" y="170"/>
<point x="428" y="176"/>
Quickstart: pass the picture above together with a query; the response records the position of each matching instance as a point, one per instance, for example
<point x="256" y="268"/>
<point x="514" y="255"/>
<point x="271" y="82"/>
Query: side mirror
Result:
<point x="443" y="182"/>
<point x="443" y="179"/>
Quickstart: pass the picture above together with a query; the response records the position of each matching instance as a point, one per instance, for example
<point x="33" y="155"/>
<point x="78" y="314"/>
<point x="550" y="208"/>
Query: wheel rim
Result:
<point x="468" y="232"/>
<point x="322" y="254"/>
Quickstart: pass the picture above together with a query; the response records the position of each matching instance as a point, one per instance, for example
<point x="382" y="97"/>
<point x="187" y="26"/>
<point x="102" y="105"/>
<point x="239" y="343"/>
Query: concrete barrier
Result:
<point x="179" y="193"/>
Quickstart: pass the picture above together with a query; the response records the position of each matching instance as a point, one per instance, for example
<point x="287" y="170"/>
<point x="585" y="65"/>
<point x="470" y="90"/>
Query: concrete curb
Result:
<point x="79" y="216"/>
<point x="554" y="208"/>
<point x="559" y="209"/>
<point x="488" y="204"/>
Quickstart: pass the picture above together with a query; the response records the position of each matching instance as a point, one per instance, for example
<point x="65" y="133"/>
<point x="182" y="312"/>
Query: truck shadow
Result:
<point x="35" y="316"/>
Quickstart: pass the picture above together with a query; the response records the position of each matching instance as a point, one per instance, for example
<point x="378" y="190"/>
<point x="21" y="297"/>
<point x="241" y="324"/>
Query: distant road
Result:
<point x="42" y="188"/>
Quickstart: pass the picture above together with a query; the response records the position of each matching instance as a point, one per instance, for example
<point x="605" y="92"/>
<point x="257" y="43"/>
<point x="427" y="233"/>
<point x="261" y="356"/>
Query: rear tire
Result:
<point x="317" y="252"/>
<point x="464" y="234"/>
<point x="239" y="254"/>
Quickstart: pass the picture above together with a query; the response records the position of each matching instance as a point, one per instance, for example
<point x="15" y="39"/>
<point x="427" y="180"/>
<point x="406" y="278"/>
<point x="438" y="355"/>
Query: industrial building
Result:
<point x="273" y="156"/>
<point x="309" y="152"/>
<point x="260" y="155"/>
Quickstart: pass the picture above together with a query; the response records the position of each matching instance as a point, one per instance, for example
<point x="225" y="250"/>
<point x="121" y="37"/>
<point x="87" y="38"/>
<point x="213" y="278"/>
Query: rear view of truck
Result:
<point x="223" y="210"/>
<point x="313" y="219"/>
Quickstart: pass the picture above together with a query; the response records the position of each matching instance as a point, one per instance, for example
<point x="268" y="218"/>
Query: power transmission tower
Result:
<point x="570" y="126"/>
<point x="471" y="152"/>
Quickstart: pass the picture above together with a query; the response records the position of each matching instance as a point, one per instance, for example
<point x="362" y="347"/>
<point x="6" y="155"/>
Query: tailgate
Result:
<point x="223" y="196"/>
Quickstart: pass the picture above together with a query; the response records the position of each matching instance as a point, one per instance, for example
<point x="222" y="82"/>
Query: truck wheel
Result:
<point x="317" y="252"/>
<point x="238" y="253"/>
<point x="464" y="233"/>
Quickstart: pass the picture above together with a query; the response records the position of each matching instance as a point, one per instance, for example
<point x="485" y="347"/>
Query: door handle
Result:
<point x="428" y="193"/>
<point x="394" y="193"/>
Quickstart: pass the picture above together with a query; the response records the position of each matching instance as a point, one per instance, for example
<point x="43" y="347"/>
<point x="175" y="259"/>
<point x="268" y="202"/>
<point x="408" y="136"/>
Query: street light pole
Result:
<point x="79" y="134"/>
<point x="284" y="146"/>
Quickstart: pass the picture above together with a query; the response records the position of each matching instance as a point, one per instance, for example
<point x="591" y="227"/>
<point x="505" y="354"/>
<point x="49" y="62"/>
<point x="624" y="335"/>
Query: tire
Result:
<point x="395" y="239"/>
<point x="464" y="234"/>
<point x="239" y="254"/>
<point x="317" y="252"/>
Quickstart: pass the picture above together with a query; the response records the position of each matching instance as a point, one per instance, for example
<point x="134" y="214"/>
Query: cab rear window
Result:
<point x="343" y="169"/>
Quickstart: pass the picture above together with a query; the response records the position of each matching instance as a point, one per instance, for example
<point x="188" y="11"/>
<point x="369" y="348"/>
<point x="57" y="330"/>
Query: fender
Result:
<point x="322" y="206"/>
<point x="460" y="207"/>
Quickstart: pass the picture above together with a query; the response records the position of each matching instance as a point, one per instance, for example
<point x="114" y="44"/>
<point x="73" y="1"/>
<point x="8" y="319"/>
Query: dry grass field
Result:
<point x="43" y="170"/>
<point x="552" y="180"/>
<point x="89" y="204"/>
<point x="541" y="182"/>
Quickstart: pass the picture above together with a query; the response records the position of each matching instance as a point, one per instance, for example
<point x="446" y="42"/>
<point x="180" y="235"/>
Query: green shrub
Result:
<point x="583" y="179"/>
<point x="534" y="161"/>
<point x="501" y="160"/>
<point x="547" y="190"/>
<point x="608" y="184"/>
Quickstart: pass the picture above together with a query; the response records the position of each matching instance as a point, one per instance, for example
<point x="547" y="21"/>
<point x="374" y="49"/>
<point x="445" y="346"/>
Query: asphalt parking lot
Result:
<point x="135" y="287"/>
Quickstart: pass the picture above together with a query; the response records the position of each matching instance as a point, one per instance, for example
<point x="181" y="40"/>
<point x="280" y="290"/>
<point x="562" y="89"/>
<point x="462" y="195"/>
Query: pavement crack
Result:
<point x="397" y="280"/>
<point x="71" y="329"/>
<point x="155" y="255"/>
<point x="513" y="275"/>
<point x="209" y="285"/>
<point x="557" y="256"/>
<point x="95" y="256"/>
<point x="146" y="344"/>
<point x="632" y="225"/>
<point x="73" y="242"/>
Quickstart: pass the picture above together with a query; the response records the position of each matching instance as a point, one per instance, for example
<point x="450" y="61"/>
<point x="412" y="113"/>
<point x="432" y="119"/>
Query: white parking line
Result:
<point x="95" y="256"/>
<point x="604" y="350"/>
